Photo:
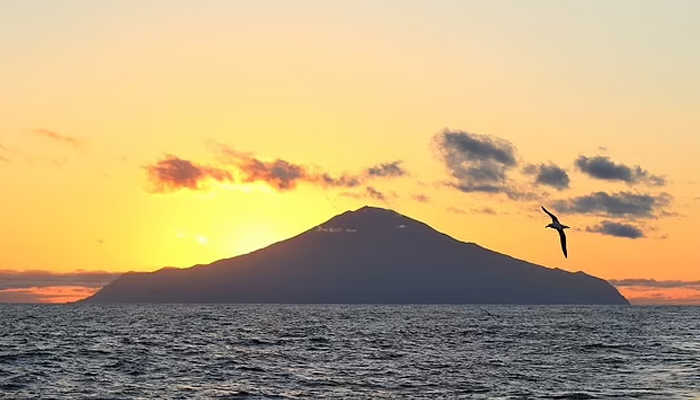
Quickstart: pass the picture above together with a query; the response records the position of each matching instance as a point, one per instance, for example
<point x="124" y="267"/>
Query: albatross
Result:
<point x="559" y="227"/>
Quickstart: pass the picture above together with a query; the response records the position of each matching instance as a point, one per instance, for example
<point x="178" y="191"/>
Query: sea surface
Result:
<point x="348" y="352"/>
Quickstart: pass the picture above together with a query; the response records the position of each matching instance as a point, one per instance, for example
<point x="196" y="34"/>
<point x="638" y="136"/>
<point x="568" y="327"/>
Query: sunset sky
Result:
<point x="142" y="134"/>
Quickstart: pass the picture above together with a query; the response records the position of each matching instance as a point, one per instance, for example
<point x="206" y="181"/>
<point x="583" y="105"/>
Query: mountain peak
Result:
<point x="372" y="219"/>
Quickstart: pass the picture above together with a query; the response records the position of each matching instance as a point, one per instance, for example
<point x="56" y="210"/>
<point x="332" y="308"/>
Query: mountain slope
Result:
<point x="370" y="255"/>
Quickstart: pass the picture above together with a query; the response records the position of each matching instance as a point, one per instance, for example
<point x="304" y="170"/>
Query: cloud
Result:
<point x="3" y="149"/>
<point x="284" y="175"/>
<point x="387" y="169"/>
<point x="651" y="291"/>
<point x="375" y="194"/>
<point x="370" y="192"/>
<point x="57" y="137"/>
<point x="421" y="198"/>
<point x="173" y="173"/>
<point x="654" y="284"/>
<point x="617" y="229"/>
<point x="477" y="163"/>
<point x="549" y="174"/>
<point x="482" y="210"/>
<point x="601" y="167"/>
<point x="620" y="204"/>
<point x="10" y="279"/>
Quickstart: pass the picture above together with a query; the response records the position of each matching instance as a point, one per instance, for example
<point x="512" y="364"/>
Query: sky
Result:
<point x="137" y="135"/>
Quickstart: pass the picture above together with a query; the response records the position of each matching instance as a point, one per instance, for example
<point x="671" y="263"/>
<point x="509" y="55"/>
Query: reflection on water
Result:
<point x="343" y="351"/>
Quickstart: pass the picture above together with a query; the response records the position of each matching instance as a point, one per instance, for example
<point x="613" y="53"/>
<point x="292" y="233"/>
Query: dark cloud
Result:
<point x="549" y="174"/>
<point x="654" y="284"/>
<point x="617" y="229"/>
<point x="620" y="204"/>
<point x="601" y="167"/>
<point x="478" y="163"/>
<point x="421" y="198"/>
<point x="57" y="137"/>
<point x="37" y="279"/>
<point x="392" y="169"/>
<point x="174" y="173"/>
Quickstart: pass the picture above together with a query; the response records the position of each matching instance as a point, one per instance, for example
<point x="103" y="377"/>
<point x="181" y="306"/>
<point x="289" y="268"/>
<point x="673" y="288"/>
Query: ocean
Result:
<point x="349" y="352"/>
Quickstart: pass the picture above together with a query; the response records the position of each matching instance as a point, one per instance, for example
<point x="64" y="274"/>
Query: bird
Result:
<point x="492" y="316"/>
<point x="560" y="228"/>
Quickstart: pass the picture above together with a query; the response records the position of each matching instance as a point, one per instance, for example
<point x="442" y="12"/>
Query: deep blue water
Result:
<point x="348" y="352"/>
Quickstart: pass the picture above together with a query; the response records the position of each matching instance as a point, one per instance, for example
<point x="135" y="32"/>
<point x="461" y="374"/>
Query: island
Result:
<point x="370" y="255"/>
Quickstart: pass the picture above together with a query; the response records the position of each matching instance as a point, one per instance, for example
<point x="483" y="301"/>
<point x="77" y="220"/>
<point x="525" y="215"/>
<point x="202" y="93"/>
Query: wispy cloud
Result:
<point x="421" y="198"/>
<point x="57" y="137"/>
<point x="549" y="175"/>
<point x="241" y="167"/>
<point x="620" y="204"/>
<point x="481" y="210"/>
<point x="617" y="229"/>
<point x="173" y="173"/>
<point x="375" y="194"/>
<point x="601" y="167"/>
<point x="285" y="175"/>
<point x="372" y="193"/>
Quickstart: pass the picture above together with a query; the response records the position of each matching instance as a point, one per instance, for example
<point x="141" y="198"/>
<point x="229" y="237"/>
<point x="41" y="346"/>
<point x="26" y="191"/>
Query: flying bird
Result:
<point x="559" y="227"/>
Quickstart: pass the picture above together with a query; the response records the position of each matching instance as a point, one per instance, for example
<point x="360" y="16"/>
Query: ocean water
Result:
<point x="348" y="352"/>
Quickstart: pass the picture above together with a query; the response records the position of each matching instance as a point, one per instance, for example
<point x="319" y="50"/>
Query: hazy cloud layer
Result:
<point x="651" y="291"/>
<point x="477" y="163"/>
<point x="174" y="173"/>
<point x="654" y="284"/>
<point x="601" y="167"/>
<point x="36" y="279"/>
<point x="57" y="137"/>
<point x="53" y="294"/>
<point x="549" y="175"/>
<point x="617" y="229"/>
<point x="620" y="204"/>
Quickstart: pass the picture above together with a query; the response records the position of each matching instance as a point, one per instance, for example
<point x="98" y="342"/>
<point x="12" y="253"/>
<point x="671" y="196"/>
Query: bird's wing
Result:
<point x="554" y="219"/>
<point x="562" y="239"/>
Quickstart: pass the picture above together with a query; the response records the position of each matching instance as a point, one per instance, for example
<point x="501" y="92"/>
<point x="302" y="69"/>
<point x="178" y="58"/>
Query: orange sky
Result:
<point x="168" y="133"/>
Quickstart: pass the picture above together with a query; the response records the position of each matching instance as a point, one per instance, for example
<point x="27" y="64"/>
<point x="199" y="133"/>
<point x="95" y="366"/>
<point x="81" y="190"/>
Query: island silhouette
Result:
<point x="369" y="255"/>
